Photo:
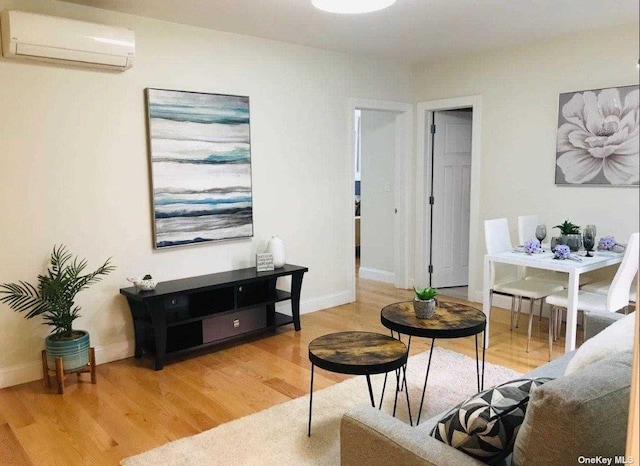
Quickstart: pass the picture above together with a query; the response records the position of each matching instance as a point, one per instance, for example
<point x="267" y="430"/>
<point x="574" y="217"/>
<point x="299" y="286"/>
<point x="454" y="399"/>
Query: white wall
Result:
<point x="74" y="166"/>
<point x="378" y="136"/>
<point x="519" y="89"/>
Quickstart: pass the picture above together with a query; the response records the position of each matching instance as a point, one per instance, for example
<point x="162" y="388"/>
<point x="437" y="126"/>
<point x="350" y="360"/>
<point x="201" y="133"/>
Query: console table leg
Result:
<point x="159" y="322"/>
<point x="296" y="286"/>
<point x="138" y="336"/>
<point x="159" y="364"/>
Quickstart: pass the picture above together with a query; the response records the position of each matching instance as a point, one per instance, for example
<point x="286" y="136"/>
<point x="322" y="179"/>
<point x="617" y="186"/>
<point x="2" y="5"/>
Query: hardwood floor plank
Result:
<point x="134" y="408"/>
<point x="13" y="410"/>
<point x="12" y="451"/>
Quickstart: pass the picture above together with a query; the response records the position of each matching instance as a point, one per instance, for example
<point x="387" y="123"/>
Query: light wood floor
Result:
<point x="134" y="408"/>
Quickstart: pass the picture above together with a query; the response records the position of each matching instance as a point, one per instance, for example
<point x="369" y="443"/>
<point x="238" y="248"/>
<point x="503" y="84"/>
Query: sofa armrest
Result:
<point x="371" y="437"/>
<point x="596" y="323"/>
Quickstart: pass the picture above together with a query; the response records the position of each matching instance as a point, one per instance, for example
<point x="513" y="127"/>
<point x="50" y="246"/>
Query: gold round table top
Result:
<point x="450" y="320"/>
<point x="358" y="353"/>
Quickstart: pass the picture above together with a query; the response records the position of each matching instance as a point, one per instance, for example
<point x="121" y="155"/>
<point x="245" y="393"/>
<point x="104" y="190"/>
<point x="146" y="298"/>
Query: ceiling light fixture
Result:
<point x="351" y="7"/>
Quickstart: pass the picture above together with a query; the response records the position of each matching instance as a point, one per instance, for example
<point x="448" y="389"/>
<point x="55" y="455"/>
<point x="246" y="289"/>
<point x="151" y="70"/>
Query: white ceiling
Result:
<point x="410" y="31"/>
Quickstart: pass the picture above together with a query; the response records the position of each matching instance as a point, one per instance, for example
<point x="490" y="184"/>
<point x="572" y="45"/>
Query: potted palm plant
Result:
<point x="570" y="235"/>
<point x="53" y="299"/>
<point x="424" y="304"/>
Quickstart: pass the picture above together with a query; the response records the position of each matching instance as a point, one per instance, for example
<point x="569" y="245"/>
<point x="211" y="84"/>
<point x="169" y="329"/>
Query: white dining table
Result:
<point x="546" y="261"/>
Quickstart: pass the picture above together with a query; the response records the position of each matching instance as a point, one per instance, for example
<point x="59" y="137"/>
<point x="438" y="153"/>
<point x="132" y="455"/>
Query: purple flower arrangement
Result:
<point x="562" y="252"/>
<point x="606" y="242"/>
<point x="532" y="246"/>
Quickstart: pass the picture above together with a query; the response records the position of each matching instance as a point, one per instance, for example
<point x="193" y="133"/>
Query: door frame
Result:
<point x="425" y="112"/>
<point x="402" y="191"/>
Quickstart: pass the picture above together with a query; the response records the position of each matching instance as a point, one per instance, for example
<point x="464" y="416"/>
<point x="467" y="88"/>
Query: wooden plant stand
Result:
<point x="60" y="374"/>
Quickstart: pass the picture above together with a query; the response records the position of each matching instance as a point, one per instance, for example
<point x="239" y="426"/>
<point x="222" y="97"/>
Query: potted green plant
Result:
<point x="570" y="235"/>
<point x="424" y="304"/>
<point x="53" y="299"/>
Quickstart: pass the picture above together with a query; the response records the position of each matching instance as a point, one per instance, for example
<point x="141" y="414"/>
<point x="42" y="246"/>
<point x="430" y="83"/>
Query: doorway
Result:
<point x="385" y="146"/>
<point x="376" y="200"/>
<point x="425" y="183"/>
<point x="449" y="198"/>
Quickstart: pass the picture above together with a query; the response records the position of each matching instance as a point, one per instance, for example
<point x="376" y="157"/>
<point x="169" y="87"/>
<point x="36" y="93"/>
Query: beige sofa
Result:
<point x="580" y="414"/>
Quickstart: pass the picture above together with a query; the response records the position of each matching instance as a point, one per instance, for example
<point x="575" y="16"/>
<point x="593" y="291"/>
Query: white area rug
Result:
<point x="278" y="435"/>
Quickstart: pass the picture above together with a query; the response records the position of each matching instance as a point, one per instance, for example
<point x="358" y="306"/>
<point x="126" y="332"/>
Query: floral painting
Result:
<point x="200" y="152"/>
<point x="598" y="138"/>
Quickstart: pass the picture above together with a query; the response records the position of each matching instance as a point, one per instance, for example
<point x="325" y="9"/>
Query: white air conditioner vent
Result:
<point x="40" y="37"/>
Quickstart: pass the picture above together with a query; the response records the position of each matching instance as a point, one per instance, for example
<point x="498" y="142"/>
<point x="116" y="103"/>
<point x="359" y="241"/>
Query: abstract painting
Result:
<point x="200" y="151"/>
<point x="597" y="141"/>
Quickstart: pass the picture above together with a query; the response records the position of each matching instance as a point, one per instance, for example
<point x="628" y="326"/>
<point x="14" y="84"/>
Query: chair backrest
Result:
<point x="496" y="236"/>
<point x="497" y="240"/>
<point x="527" y="227"/>
<point x="618" y="295"/>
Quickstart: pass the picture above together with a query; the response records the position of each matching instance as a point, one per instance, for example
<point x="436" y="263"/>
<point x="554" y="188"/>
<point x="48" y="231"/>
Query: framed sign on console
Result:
<point x="200" y="163"/>
<point x="597" y="141"/>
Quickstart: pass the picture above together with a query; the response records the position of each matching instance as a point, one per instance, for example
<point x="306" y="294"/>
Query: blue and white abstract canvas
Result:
<point x="200" y="167"/>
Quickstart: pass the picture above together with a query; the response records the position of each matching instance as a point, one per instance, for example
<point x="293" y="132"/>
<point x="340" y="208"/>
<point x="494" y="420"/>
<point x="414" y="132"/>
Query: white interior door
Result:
<point x="451" y="199"/>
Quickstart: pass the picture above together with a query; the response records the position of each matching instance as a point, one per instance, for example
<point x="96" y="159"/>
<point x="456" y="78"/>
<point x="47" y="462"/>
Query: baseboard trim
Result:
<point x="377" y="275"/>
<point x="20" y="373"/>
<point x="317" y="304"/>
<point x="115" y="352"/>
<point x="28" y="372"/>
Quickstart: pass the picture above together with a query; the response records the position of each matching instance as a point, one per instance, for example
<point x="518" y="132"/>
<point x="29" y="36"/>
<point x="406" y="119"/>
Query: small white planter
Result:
<point x="424" y="309"/>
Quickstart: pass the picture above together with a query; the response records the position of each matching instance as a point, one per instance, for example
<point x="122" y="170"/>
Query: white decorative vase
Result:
<point x="424" y="309"/>
<point x="276" y="247"/>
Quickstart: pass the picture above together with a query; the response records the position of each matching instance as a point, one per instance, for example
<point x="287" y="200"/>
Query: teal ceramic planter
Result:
<point x="74" y="353"/>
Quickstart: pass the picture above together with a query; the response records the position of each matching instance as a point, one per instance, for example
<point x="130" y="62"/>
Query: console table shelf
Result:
<point x="199" y="312"/>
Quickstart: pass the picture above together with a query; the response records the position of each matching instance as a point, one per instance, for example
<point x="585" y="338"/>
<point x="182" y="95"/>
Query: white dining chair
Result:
<point x="602" y="287"/>
<point x="527" y="230"/>
<point x="617" y="296"/>
<point x="504" y="278"/>
<point x="527" y="227"/>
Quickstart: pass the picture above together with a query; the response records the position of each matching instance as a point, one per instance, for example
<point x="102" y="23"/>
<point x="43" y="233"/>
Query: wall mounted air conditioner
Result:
<point x="68" y="41"/>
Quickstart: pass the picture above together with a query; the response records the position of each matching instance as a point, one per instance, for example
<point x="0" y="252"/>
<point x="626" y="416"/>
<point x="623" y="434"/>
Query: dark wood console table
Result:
<point x="197" y="312"/>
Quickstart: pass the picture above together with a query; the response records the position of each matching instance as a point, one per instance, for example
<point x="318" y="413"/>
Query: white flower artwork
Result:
<point x="598" y="138"/>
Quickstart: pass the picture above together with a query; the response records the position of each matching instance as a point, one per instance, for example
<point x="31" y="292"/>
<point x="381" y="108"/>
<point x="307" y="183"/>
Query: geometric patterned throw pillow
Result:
<point x="485" y="426"/>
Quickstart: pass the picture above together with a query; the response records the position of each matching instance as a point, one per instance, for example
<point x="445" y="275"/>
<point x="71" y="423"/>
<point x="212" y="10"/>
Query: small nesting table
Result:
<point x="358" y="353"/>
<point x="451" y="320"/>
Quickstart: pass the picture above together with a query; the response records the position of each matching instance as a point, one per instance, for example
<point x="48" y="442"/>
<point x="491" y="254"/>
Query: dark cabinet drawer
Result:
<point x="232" y="324"/>
<point x="176" y="302"/>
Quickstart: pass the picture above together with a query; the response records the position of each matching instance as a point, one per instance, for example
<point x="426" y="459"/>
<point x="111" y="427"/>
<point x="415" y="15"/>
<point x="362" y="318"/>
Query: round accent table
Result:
<point x="451" y="320"/>
<point x="358" y="353"/>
